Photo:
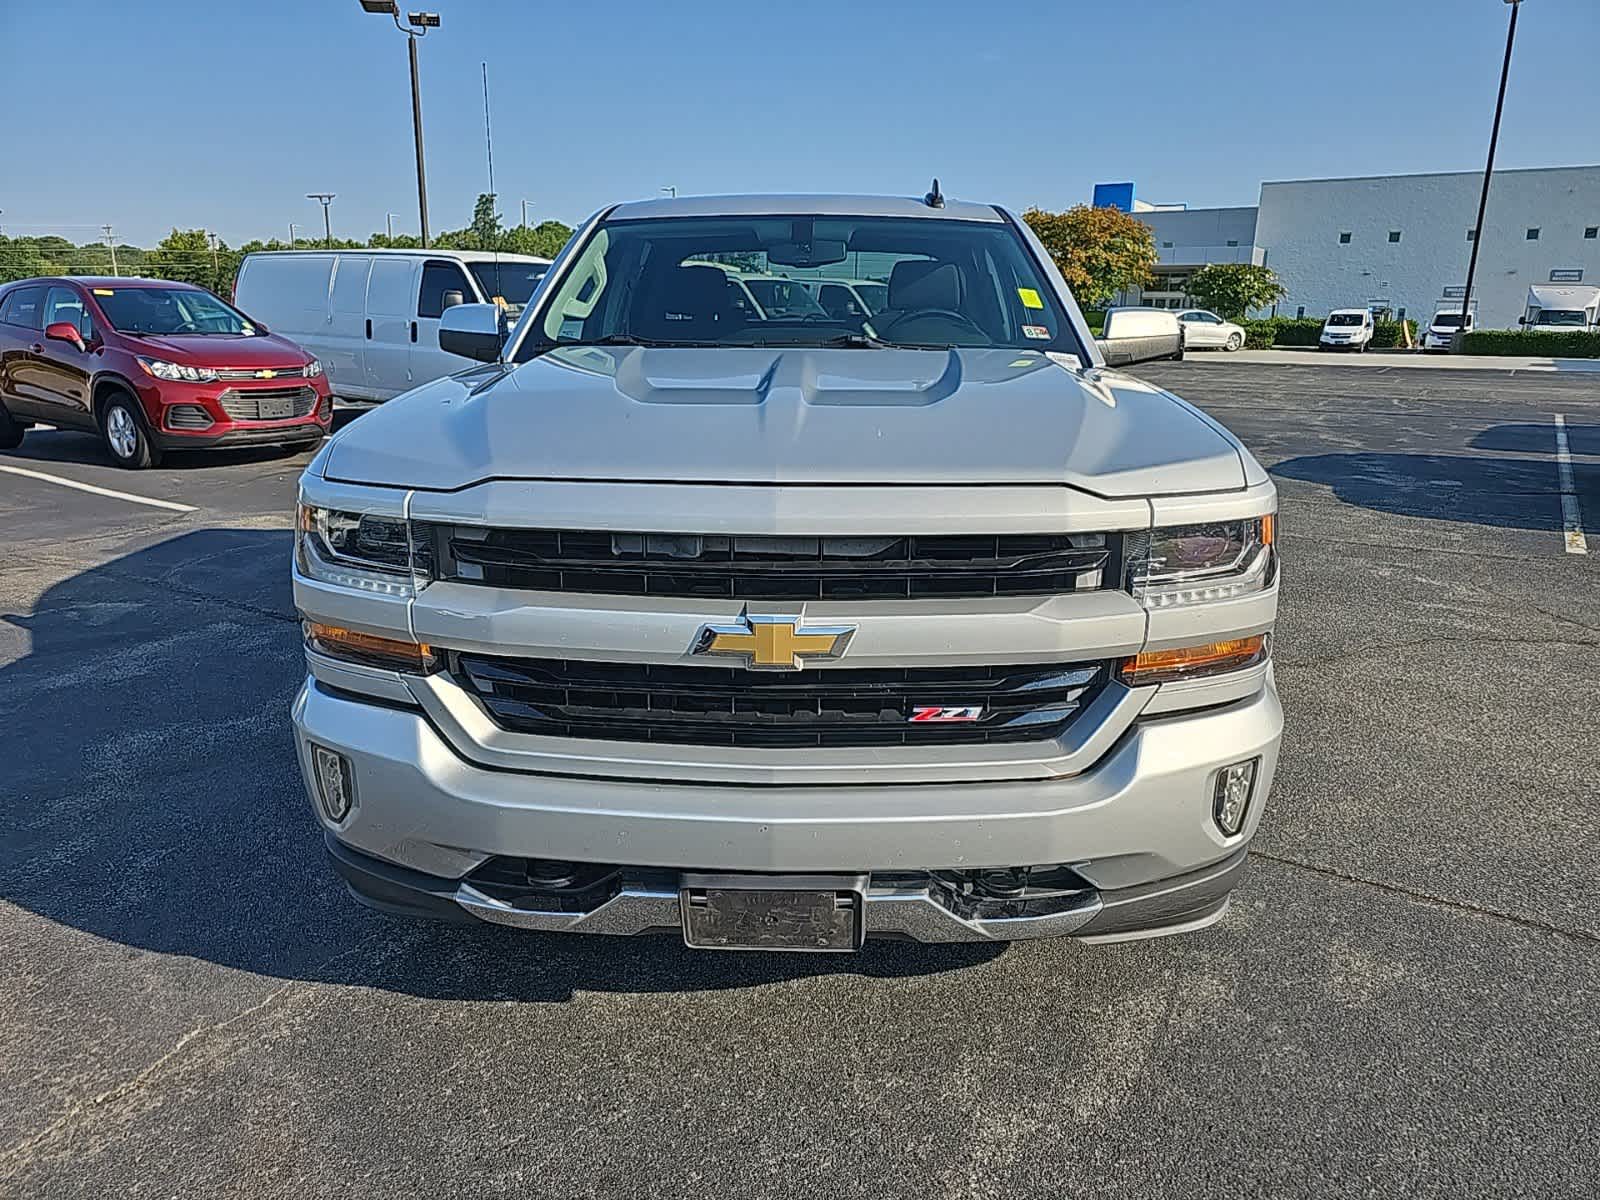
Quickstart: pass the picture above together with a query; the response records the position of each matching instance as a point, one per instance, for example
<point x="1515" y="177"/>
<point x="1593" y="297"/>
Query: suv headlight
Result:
<point x="176" y="372"/>
<point x="361" y="550"/>
<point x="313" y="368"/>
<point x="1196" y="564"/>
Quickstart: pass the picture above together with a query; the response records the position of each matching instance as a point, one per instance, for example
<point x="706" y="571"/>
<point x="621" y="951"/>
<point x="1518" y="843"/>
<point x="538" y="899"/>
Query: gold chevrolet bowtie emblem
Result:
<point x="773" y="643"/>
<point x="269" y="374"/>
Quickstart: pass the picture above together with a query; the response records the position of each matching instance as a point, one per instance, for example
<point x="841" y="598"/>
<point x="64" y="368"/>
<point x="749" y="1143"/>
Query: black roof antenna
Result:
<point x="935" y="198"/>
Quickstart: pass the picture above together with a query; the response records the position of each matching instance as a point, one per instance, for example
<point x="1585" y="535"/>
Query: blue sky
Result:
<point x="224" y="114"/>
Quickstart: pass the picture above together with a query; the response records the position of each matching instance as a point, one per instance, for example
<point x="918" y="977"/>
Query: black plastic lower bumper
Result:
<point x="288" y="435"/>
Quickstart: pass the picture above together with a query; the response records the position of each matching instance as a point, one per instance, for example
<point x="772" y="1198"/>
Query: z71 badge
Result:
<point x="936" y="713"/>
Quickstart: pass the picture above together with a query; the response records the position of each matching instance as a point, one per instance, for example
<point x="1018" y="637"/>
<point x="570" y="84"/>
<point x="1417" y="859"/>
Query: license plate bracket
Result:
<point x="807" y="913"/>
<point x="275" y="410"/>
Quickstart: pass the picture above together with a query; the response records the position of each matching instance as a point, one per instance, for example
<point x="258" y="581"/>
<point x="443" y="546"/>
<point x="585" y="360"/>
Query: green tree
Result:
<point x="544" y="240"/>
<point x="485" y="229"/>
<point x="1233" y="289"/>
<point x="188" y="256"/>
<point x="1099" y="251"/>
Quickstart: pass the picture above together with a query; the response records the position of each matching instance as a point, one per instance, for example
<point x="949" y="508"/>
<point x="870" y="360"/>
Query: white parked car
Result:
<point x="1203" y="329"/>
<point x="372" y="316"/>
<point x="1347" y="329"/>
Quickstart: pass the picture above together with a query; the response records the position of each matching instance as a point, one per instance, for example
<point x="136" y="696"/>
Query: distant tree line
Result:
<point x="190" y="255"/>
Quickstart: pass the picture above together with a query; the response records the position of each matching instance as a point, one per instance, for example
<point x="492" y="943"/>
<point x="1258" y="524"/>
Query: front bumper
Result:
<point x="1136" y="825"/>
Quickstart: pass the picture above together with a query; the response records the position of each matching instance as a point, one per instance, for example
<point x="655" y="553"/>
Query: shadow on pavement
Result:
<point x="75" y="446"/>
<point x="1507" y="493"/>
<point x="151" y="798"/>
<point x="1538" y="438"/>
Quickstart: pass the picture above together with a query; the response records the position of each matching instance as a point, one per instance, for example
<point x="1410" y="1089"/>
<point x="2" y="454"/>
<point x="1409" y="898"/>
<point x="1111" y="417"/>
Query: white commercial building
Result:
<point x="1395" y="242"/>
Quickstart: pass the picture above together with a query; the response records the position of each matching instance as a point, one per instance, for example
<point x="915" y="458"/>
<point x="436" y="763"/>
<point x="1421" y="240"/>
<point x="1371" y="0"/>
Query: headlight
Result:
<point x="313" y="369"/>
<point x="1195" y="564"/>
<point x="360" y="550"/>
<point x="176" y="372"/>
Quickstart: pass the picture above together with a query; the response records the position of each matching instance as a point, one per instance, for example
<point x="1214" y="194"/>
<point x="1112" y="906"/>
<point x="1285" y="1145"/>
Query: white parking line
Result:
<point x="1571" y="516"/>
<point x="100" y="491"/>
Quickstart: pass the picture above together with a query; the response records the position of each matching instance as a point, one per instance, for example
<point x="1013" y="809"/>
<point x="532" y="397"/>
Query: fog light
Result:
<point x="1236" y="784"/>
<point x="335" y="782"/>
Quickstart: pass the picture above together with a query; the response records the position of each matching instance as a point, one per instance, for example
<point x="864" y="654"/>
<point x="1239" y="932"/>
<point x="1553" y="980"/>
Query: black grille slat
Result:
<point x="810" y="708"/>
<point x="757" y="568"/>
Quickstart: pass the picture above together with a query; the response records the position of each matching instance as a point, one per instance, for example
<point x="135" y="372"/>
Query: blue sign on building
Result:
<point x="1114" y="195"/>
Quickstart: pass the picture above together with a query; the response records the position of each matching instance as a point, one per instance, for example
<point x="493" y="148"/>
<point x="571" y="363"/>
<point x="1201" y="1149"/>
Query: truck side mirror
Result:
<point x="476" y="331"/>
<point x="1522" y="320"/>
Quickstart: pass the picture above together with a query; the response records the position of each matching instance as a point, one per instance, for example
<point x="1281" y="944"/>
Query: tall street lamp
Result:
<point x="419" y="23"/>
<point x="1488" y="172"/>
<point x="325" y="199"/>
<point x="292" y="227"/>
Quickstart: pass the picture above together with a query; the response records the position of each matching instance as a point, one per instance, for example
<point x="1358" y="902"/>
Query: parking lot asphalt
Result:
<point x="1401" y="1002"/>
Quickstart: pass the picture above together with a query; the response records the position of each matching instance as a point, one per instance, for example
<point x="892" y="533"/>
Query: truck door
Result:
<point x="391" y="308"/>
<point x="348" y="328"/>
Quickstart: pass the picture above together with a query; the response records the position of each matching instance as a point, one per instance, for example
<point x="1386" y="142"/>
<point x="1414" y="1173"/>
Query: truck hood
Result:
<point x="791" y="416"/>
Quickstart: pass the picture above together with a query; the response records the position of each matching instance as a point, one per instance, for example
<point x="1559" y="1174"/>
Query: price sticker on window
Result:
<point x="1030" y="298"/>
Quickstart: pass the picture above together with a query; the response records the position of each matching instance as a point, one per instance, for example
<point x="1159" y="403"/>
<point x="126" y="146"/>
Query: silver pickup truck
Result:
<point x="785" y="631"/>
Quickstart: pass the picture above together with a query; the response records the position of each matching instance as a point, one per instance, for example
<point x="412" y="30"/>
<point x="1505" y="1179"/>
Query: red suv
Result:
<point x="152" y="366"/>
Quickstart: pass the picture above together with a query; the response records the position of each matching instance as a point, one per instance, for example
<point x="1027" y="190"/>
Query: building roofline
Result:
<point x="1434" y="174"/>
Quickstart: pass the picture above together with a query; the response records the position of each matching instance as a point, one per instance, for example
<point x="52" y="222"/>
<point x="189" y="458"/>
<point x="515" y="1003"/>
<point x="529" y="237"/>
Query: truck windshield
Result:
<point x="684" y="281"/>
<point x="1345" y="319"/>
<point x="512" y="282"/>
<point x="1446" y="320"/>
<point x="167" y="311"/>
<point x="1561" y="316"/>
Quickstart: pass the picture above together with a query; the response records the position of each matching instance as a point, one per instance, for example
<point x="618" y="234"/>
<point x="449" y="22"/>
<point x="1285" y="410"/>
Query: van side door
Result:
<point x="348" y="327"/>
<point x="439" y="277"/>
<point x="392" y="309"/>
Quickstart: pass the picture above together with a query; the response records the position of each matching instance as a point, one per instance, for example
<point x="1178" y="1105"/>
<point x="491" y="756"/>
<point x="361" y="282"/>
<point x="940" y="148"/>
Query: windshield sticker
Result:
<point x="104" y="292"/>
<point x="1030" y="298"/>
<point x="1037" y="332"/>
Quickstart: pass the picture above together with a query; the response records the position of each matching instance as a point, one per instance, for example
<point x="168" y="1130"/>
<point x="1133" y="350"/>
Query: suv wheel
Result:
<point x="11" y="430"/>
<point x="124" y="433"/>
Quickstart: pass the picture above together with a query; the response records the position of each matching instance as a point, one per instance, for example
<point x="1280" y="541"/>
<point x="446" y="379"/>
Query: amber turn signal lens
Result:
<point x="1188" y="662"/>
<point x="369" y="649"/>
<point x="1269" y="529"/>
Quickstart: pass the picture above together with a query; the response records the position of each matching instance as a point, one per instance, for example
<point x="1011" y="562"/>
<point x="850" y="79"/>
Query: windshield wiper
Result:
<point x="857" y="341"/>
<point x="616" y="339"/>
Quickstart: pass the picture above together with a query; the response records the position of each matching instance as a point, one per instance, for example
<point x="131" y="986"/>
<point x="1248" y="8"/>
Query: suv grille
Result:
<point x="777" y="568"/>
<point x="255" y="372"/>
<point x="267" y="404"/>
<point x="723" y="706"/>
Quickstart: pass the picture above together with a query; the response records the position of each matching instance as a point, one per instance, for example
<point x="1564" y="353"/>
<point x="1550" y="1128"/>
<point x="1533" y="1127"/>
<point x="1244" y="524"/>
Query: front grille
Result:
<point x="726" y="567"/>
<point x="255" y="372"/>
<point x="723" y="706"/>
<point x="268" y="404"/>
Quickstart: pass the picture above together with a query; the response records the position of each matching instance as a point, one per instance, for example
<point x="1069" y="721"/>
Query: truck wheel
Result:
<point x="122" y="429"/>
<point x="11" y="430"/>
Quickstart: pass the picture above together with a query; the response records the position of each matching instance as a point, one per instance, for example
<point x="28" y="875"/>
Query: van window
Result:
<point x="24" y="307"/>
<point x="350" y="284"/>
<point x="437" y="279"/>
<point x="391" y="291"/>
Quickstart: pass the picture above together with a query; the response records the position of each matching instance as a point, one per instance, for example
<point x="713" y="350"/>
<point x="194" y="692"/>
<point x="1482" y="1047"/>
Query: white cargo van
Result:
<point x="1556" y="309"/>
<point x="1443" y="327"/>
<point x="1348" y="329"/>
<point x="372" y="316"/>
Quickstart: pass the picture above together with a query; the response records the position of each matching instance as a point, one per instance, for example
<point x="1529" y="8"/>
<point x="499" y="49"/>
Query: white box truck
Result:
<point x="1555" y="308"/>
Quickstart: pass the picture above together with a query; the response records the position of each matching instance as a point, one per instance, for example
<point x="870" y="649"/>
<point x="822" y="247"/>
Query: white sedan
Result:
<point x="1203" y="329"/>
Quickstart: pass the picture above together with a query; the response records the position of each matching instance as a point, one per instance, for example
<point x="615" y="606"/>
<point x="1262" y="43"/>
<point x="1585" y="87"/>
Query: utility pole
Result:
<point x="1488" y="173"/>
<point x="111" y="241"/>
<point x="215" y="268"/>
<point x="419" y="23"/>
<point x="671" y="190"/>
<point x="325" y="199"/>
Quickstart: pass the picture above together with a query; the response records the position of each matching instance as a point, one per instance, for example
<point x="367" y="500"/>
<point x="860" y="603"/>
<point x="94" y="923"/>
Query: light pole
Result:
<point x="325" y="199"/>
<point x="292" y="227"/>
<point x="420" y="23"/>
<point x="524" y="214"/>
<point x="1488" y="173"/>
<point x="389" y="222"/>
<point x="671" y="191"/>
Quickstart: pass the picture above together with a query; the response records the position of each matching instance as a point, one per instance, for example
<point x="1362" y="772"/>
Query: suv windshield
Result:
<point x="170" y="311"/>
<point x="688" y="281"/>
<point x="512" y="282"/>
<point x="1345" y="319"/>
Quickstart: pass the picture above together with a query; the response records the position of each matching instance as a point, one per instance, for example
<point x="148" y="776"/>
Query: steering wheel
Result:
<point x="925" y="314"/>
